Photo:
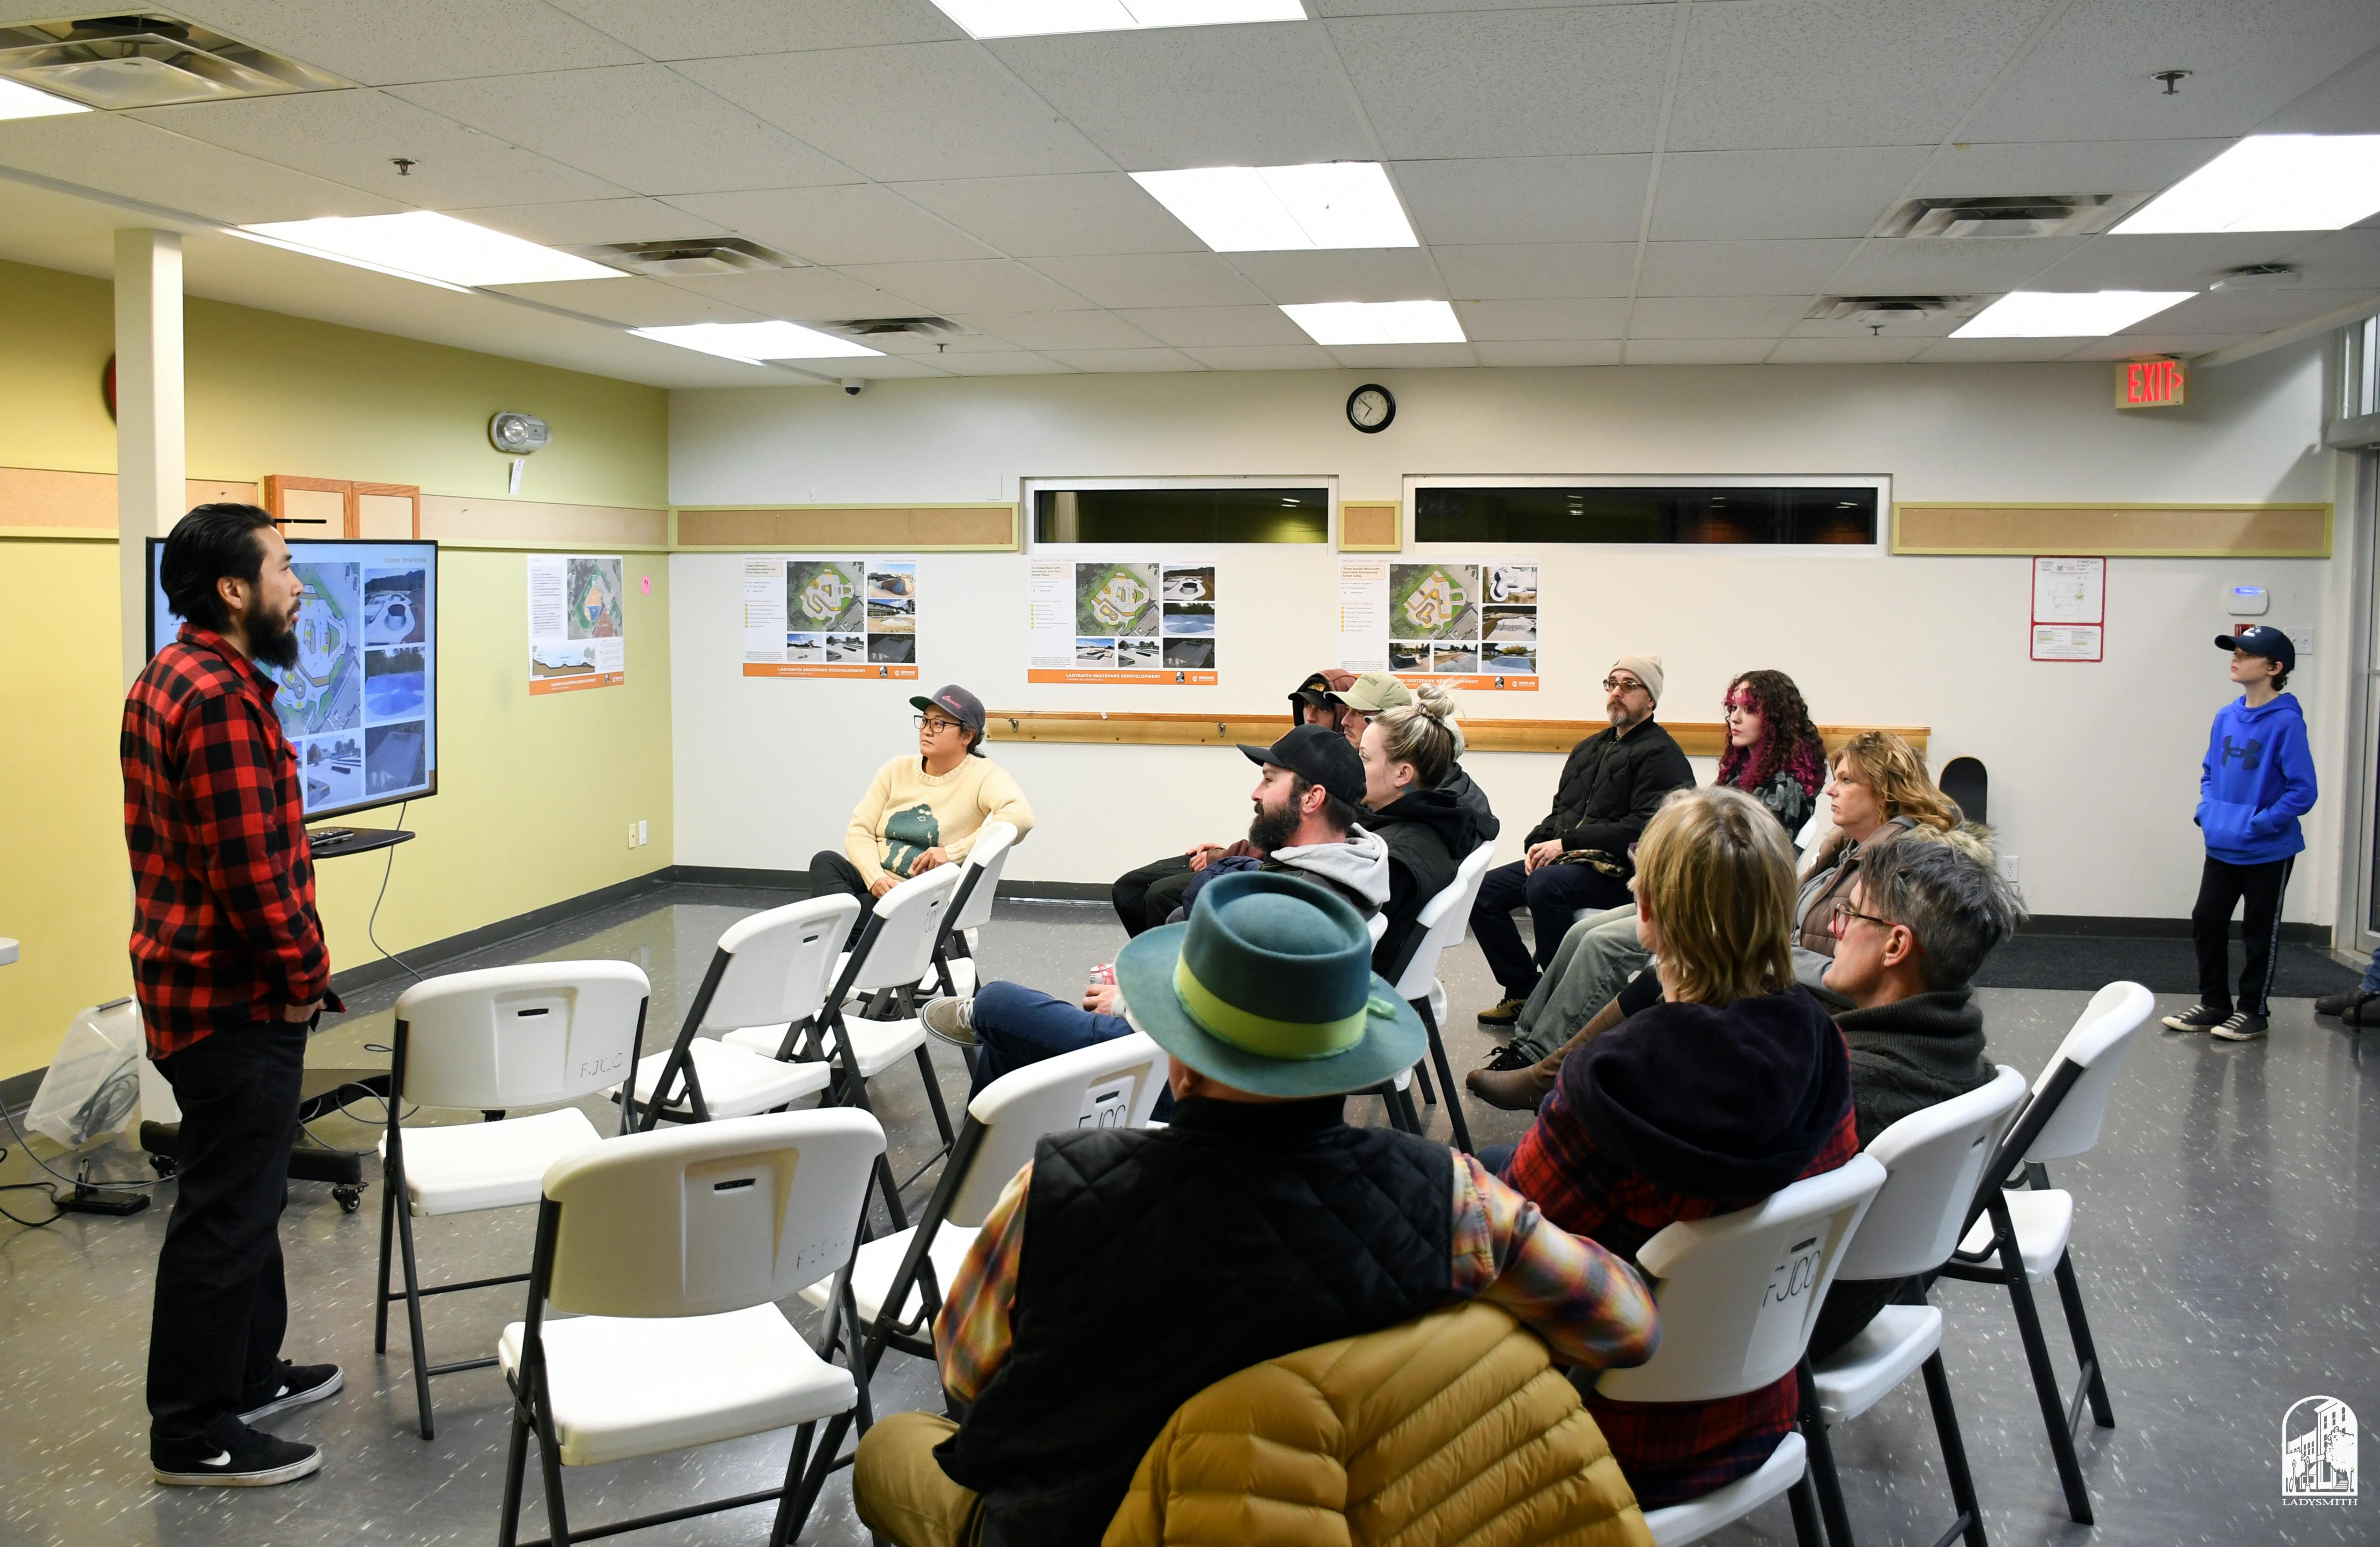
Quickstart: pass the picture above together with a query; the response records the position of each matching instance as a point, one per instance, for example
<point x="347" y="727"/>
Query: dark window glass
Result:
<point x="1673" y="515"/>
<point x="1182" y="516"/>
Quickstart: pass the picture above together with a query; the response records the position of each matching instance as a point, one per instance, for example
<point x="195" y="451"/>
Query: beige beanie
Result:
<point x="1648" y="670"/>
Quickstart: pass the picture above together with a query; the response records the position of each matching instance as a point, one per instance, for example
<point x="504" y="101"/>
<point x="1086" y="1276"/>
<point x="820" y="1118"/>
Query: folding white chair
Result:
<point x="495" y="1041"/>
<point x="970" y="910"/>
<point x="1439" y="928"/>
<point x="1933" y="1161"/>
<point x="667" y="1253"/>
<point x="1739" y="1295"/>
<point x="769" y="971"/>
<point x="2026" y="1237"/>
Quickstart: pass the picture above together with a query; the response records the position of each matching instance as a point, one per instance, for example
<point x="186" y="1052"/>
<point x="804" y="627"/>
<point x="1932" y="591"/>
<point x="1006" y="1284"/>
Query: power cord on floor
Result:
<point x="373" y="923"/>
<point x="10" y="1119"/>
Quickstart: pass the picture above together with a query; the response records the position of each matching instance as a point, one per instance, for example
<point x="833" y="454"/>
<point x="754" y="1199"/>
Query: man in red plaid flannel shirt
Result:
<point x="230" y="968"/>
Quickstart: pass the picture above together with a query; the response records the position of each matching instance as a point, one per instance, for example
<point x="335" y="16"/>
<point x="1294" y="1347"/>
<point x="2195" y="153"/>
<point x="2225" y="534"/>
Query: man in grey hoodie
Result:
<point x="1305" y="802"/>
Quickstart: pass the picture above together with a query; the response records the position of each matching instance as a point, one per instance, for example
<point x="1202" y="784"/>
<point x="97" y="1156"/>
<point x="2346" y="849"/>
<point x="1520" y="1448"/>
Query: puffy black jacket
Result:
<point x="1429" y="833"/>
<point x="1612" y="786"/>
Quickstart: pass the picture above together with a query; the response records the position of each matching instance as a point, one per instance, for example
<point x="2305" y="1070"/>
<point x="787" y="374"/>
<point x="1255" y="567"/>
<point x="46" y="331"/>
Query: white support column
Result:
<point x="149" y="492"/>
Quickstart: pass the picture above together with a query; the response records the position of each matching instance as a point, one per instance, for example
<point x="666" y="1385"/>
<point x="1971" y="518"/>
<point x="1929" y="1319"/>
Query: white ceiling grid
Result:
<point x="1649" y="181"/>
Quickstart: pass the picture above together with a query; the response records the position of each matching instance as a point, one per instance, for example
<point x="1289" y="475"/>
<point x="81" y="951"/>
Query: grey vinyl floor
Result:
<point x="2228" y="1239"/>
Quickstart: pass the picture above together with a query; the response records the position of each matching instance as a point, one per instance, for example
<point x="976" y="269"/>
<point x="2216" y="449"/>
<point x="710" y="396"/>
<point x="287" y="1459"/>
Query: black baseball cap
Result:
<point x="1320" y="755"/>
<point x="2261" y="640"/>
<point x="961" y="706"/>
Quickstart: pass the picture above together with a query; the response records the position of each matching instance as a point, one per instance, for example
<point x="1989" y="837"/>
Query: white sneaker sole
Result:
<point x="278" y="1475"/>
<point x="328" y="1388"/>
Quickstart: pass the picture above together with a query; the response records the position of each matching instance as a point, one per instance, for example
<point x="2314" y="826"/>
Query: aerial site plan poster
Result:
<point x="1143" y="622"/>
<point x="1468" y="623"/>
<point x="837" y="617"/>
<point x="578" y="624"/>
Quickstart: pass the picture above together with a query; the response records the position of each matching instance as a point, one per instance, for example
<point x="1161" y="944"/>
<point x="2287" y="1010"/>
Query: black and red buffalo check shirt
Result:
<point x="224" y="933"/>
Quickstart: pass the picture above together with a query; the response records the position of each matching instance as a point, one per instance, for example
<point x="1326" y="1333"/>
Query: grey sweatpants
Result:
<point x="1596" y="955"/>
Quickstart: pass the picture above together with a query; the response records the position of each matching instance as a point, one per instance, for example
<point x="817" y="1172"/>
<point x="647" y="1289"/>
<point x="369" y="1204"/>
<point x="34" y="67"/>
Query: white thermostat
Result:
<point x="2246" y="601"/>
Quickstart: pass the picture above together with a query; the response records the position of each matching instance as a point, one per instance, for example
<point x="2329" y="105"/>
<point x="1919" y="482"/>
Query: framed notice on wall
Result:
<point x="578" y="623"/>
<point x="1146" y="622"/>
<point x="2069" y="608"/>
<point x="1467" y="623"/>
<point x="830" y="617"/>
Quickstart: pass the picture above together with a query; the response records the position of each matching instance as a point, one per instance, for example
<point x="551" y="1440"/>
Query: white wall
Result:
<point x="2094" y="766"/>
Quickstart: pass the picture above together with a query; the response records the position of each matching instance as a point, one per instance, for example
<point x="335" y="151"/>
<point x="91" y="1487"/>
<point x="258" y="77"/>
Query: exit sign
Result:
<point x="2152" y="384"/>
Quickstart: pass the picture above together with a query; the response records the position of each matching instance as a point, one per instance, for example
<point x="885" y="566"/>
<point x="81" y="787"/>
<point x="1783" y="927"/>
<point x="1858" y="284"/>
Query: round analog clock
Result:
<point x="1370" y="408"/>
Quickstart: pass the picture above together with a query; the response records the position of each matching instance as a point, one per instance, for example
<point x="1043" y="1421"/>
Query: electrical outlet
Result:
<point x="2013" y="868"/>
<point x="642" y="837"/>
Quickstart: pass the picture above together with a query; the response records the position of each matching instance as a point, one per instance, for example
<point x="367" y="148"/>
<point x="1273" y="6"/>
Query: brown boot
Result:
<point x="1520" y="1090"/>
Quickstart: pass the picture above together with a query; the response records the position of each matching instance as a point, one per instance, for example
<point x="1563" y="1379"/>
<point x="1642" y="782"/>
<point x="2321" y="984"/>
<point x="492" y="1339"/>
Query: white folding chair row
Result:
<point x="1437" y="929"/>
<point x="987" y="861"/>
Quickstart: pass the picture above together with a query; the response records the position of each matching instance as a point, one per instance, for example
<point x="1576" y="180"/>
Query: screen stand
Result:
<point x="330" y="842"/>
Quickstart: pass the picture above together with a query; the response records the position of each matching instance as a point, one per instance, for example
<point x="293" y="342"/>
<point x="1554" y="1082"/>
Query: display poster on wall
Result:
<point x="830" y="617"/>
<point x="2070" y="608"/>
<point x="578" y="623"/>
<point x="1465" y="623"/>
<point x="1144" y="621"/>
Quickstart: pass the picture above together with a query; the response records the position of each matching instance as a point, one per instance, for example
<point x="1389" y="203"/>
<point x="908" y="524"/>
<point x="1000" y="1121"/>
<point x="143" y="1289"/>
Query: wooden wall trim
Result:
<point x="50" y="504"/>
<point x="948" y="528"/>
<point x="2116" y="531"/>
<point x="1699" y="739"/>
<point x="478" y="522"/>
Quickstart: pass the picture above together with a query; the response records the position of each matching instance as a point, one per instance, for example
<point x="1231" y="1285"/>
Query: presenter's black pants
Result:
<point x="830" y="873"/>
<point x="1552" y="893"/>
<point x="220" y="1307"/>
<point x="2221" y="888"/>
<point x="1147" y="898"/>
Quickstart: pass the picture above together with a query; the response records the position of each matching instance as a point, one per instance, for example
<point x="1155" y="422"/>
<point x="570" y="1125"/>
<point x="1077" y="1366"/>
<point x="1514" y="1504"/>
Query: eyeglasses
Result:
<point x="1620" y="684"/>
<point x="935" y="723"/>
<point x="1844" y="912"/>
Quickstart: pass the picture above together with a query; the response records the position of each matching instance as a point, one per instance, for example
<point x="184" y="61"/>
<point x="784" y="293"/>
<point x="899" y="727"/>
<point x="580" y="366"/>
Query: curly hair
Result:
<point x="1791" y="742"/>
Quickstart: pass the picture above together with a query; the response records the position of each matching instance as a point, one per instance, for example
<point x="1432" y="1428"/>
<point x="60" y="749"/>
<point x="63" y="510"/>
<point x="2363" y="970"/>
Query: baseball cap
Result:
<point x="2261" y="640"/>
<point x="1373" y="692"/>
<point x="961" y="706"/>
<point x="1320" y="755"/>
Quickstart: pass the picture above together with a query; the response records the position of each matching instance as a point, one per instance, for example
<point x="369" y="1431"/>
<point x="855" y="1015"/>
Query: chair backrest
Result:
<point x="779" y="963"/>
<point x="898" y="946"/>
<point x="1964" y="780"/>
<point x="1441" y="923"/>
<point x="531" y="1035"/>
<point x="1110" y="1084"/>
<point x="1378" y="925"/>
<point x="1933" y="1161"/>
<point x="712" y="1217"/>
<point x="1740" y="1293"/>
<point x="985" y="861"/>
<point x="2097" y="1046"/>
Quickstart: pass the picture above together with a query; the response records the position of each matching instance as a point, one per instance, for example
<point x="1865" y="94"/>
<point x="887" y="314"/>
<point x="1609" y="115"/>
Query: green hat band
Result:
<point x="1263" y="1035"/>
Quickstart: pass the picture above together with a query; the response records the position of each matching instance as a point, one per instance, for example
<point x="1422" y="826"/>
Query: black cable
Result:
<point x="31" y="1186"/>
<point x="373" y="923"/>
<point x="26" y="1144"/>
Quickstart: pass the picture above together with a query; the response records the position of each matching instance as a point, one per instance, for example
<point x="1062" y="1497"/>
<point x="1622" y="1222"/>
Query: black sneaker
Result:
<point x="296" y="1385"/>
<point x="1503" y="1012"/>
<point x="231" y="1454"/>
<point x="1506" y="1057"/>
<point x="2199" y="1017"/>
<point x="2243" y="1027"/>
<point x="2347" y="1007"/>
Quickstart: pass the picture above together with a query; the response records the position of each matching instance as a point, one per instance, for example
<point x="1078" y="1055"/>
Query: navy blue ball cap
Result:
<point x="2261" y="640"/>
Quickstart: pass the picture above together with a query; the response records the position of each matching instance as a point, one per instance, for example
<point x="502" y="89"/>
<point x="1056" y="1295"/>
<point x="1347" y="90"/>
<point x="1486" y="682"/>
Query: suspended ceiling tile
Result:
<point x="1938" y="325"/>
<point x="645" y="127"/>
<point x="1996" y="351"/>
<point x="1526" y="273"/>
<point x="1847" y="351"/>
<point x="1749" y="195"/>
<point x="1521" y="322"/>
<point x="942" y="348"/>
<point x="592" y="220"/>
<point x="1264" y="95"/>
<point x="1926" y="266"/>
<point x="2247" y="311"/>
<point x="906" y="114"/>
<point x="1741" y="268"/>
<point x="1008" y="362"/>
<point x="1403" y="357"/>
<point x="2128" y="346"/>
<point x="881" y="368"/>
<point x="2349" y="103"/>
<point x="1511" y="83"/>
<point x="2163" y="262"/>
<point x="713" y="29"/>
<point x="112" y="153"/>
<point x="633" y="301"/>
<point x="978" y="285"/>
<point x="1073" y="215"/>
<point x="1526" y="198"/>
<point x="1549" y="352"/>
<point x="2341" y="259"/>
<point x="1731" y="316"/>
<point x="1772" y="74"/>
<point x="1263" y="356"/>
<point x="1414" y="7"/>
<point x="1697" y="351"/>
<point x="421" y="39"/>
<point x="1976" y="171"/>
<point x="355" y="138"/>
<point x="1153" y="279"/>
<point x="799" y="295"/>
<point x="1112" y="360"/>
<point x="858" y="223"/>
<point x="1217" y="327"/>
<point x="1061" y="330"/>
<point x="1350" y="275"/>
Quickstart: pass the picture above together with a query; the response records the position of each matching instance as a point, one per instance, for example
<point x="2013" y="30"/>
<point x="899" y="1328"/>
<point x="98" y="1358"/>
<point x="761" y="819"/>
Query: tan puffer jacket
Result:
<point x="1451" y="1430"/>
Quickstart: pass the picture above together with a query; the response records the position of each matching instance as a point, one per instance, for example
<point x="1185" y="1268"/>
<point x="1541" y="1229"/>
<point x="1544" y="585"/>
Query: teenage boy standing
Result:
<point x="2257" y="780"/>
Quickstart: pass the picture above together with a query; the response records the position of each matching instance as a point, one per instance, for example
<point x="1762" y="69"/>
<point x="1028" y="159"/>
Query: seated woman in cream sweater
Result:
<point x="924" y="811"/>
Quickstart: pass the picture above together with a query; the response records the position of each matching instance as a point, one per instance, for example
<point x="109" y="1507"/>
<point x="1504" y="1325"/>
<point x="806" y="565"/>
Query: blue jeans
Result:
<point x="2372" y="974"/>
<point x="1015" y="1026"/>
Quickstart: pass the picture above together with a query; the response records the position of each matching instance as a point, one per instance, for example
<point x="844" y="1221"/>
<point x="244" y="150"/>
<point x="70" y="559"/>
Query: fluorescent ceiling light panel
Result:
<point x="1030" y="18"/>
<point x="756" y="341"/>
<point x="1284" y="209"/>
<point x="2271" y="182"/>
<point x="421" y="244"/>
<point x="18" y="101"/>
<point x="2068" y="314"/>
<point x="1347" y="322"/>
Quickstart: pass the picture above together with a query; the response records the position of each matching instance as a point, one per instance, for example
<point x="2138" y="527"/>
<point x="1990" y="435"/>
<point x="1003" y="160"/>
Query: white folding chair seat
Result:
<point x="1439" y="928"/>
<point x="739" y="1077"/>
<point x="623" y="1387"/>
<point x="2044" y="1224"/>
<point x="1697" y="1518"/>
<point x="872" y="1270"/>
<point x="463" y="1167"/>
<point x="876" y="1046"/>
<point x="1887" y="1351"/>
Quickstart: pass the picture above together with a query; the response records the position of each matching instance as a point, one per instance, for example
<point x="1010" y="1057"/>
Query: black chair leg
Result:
<point x="793" y="1504"/>
<point x="1822" y="1461"/>
<point x="1806" y="1532"/>
<point x="549" y="1459"/>
<point x="413" y="1320"/>
<point x="1954" y="1452"/>
<point x="388" y="1191"/>
<point x="2078" y="1324"/>
<point x="1421" y="1084"/>
<point x="1445" y="1077"/>
<point x="2046" y="1387"/>
<point x="934" y="1096"/>
<point x="516" y="1466"/>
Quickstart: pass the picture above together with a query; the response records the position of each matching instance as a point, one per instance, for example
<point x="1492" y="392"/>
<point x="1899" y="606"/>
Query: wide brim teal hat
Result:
<point x="1269" y="988"/>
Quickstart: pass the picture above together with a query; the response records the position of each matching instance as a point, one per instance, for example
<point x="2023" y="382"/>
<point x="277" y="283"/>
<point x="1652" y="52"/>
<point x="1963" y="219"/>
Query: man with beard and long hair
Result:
<point x="230" y="967"/>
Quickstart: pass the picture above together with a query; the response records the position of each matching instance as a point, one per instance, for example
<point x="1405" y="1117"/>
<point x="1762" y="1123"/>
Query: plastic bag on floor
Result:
<point x="93" y="1083"/>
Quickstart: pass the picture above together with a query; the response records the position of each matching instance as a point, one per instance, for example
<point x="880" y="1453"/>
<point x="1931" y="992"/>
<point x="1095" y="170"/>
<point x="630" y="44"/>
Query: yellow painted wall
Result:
<point x="534" y="795"/>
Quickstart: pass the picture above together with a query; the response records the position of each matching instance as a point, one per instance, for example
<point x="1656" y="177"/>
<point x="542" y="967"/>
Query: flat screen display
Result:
<point x="362" y="705"/>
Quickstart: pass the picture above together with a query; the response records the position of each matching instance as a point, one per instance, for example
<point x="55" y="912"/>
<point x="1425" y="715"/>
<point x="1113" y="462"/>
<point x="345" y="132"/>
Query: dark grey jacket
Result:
<point x="1612" y="786"/>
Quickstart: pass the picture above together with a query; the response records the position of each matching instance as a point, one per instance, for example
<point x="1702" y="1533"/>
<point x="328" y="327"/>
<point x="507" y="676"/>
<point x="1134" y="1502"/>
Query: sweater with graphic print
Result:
<point x="907" y="811"/>
<point x="2257" y="780"/>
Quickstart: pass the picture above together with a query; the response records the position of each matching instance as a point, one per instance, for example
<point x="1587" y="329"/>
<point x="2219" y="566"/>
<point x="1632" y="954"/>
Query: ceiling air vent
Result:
<point x="1875" y="312"/>
<point x="146" y="61"/>
<point x="695" y="256"/>
<point x="2257" y="276"/>
<point x="1966" y="220"/>
<point x="899" y="327"/>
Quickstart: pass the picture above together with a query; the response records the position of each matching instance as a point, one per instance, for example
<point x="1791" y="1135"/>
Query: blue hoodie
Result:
<point x="2258" y="780"/>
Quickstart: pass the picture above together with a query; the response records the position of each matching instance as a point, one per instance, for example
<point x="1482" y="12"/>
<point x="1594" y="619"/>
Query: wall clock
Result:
<point x="1370" y="408"/>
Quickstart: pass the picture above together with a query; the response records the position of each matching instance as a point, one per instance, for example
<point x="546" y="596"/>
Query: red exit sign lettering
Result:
<point x="2152" y="384"/>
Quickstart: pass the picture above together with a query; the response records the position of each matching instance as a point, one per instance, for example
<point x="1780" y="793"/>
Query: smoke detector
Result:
<point x="146" y="61"/>
<point x="692" y="257"/>
<point x="2257" y="276"/>
<point x="1875" y="312"/>
<point x="2047" y="215"/>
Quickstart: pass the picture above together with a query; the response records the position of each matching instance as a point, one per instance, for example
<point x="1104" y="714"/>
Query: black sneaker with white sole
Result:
<point x="2243" y="1027"/>
<point x="231" y="1454"/>
<point x="294" y="1387"/>
<point x="2201" y="1017"/>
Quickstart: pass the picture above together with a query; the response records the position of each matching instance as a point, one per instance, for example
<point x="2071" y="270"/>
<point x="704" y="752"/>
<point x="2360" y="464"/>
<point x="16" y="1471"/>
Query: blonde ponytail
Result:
<point x="1423" y="734"/>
